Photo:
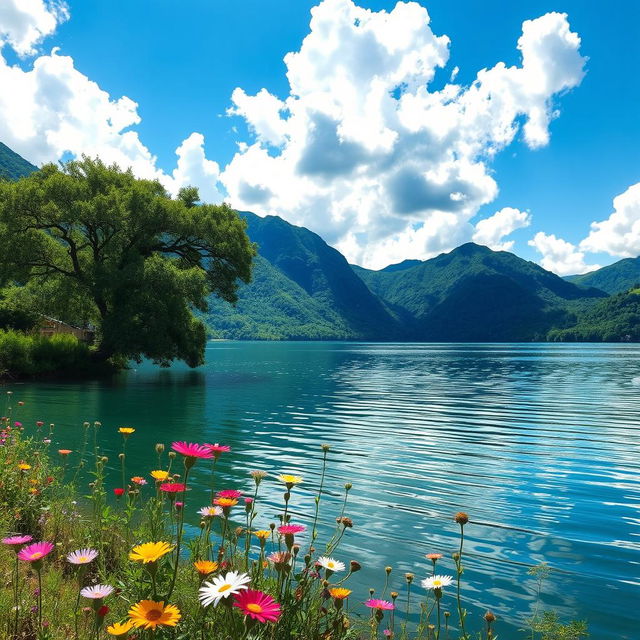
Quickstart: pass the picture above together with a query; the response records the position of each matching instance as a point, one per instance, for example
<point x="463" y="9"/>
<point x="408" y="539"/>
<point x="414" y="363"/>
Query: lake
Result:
<point x="539" y="443"/>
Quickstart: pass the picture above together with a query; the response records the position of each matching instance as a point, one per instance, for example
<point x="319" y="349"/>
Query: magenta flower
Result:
<point x="35" y="551"/>
<point x="381" y="605"/>
<point x="257" y="605"/>
<point x="291" y="529"/>
<point x="192" y="450"/>
<point x="217" y="449"/>
<point x="229" y="493"/>
<point x="17" y="541"/>
<point x="173" y="487"/>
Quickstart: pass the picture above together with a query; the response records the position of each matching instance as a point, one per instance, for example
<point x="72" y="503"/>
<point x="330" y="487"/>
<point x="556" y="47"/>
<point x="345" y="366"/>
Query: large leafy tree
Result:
<point x="91" y="242"/>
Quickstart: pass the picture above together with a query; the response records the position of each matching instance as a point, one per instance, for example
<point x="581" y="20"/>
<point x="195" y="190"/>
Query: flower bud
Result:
<point x="159" y="447"/>
<point x="461" y="518"/>
<point x="354" y="565"/>
<point x="490" y="617"/>
<point x="388" y="570"/>
<point x="172" y="454"/>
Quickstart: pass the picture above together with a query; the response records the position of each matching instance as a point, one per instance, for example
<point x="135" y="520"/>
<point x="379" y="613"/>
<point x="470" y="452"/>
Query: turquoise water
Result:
<point x="538" y="443"/>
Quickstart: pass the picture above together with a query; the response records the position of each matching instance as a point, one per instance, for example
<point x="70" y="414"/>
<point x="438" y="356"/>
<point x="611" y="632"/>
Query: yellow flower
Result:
<point x="149" y="614"/>
<point x="159" y="476"/>
<point x="120" y="629"/>
<point x="23" y="466"/>
<point x="289" y="480"/>
<point x="339" y="593"/>
<point x="127" y="431"/>
<point x="263" y="534"/>
<point x="226" y="502"/>
<point x="205" y="567"/>
<point x="149" y="551"/>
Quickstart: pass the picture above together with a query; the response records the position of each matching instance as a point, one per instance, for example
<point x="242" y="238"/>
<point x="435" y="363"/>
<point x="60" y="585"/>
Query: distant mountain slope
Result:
<point x="616" y="278"/>
<point x="13" y="166"/>
<point x="476" y="294"/>
<point x="302" y="288"/>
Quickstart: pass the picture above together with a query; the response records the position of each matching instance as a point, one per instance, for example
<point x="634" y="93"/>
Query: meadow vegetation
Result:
<point x="88" y="552"/>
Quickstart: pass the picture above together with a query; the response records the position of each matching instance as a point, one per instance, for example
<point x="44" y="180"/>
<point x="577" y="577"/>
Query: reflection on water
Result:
<point x="539" y="443"/>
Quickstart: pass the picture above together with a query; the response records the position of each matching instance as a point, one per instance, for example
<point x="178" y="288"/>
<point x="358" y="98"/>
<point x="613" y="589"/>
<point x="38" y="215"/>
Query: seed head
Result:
<point x="461" y="518"/>
<point x="409" y="577"/>
<point x="388" y="570"/>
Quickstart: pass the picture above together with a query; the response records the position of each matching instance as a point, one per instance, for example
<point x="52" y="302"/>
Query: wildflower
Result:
<point x="225" y="503"/>
<point x="159" y="476"/>
<point x="139" y="480"/>
<point x="126" y="431"/>
<point x="380" y="605"/>
<point x="17" y="541"/>
<point x="118" y="492"/>
<point x="39" y="423"/>
<point x="64" y="452"/>
<point x="289" y="480"/>
<point x="434" y="557"/>
<point x="339" y="593"/>
<point x="258" y="476"/>
<point x="222" y="587"/>
<point x="257" y="605"/>
<point x="229" y="493"/>
<point x="347" y="523"/>
<point x="330" y="564"/>
<point x="35" y="552"/>
<point x="218" y="449"/>
<point x="102" y="611"/>
<point x="354" y="566"/>
<point x="149" y="552"/>
<point x="97" y="592"/>
<point x="461" y="518"/>
<point x="262" y="534"/>
<point x="291" y="529"/>
<point x="280" y="559"/>
<point x="192" y="451"/>
<point x="83" y="556"/>
<point x="436" y="582"/>
<point x="490" y="617"/>
<point x="205" y="567"/>
<point x="120" y="629"/>
<point x="179" y="505"/>
<point x="23" y="466"/>
<point x="172" y="487"/>
<point x="210" y="512"/>
<point x="149" y="614"/>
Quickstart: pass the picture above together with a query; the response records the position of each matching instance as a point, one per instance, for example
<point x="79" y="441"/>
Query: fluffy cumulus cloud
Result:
<point x="491" y="231"/>
<point x="51" y="109"/>
<point x="366" y="150"/>
<point x="25" y="23"/>
<point x="560" y="256"/>
<point x="619" y="234"/>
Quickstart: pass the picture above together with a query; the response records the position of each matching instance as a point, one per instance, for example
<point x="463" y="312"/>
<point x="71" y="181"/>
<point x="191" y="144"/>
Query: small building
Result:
<point x="51" y="326"/>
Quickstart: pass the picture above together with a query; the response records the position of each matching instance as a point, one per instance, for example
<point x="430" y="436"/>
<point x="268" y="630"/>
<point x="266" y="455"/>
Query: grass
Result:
<point x="254" y="579"/>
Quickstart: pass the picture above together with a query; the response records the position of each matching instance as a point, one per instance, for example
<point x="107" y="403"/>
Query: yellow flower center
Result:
<point x="437" y="583"/>
<point x="36" y="555"/>
<point x="254" y="608"/>
<point x="224" y="587"/>
<point x="154" y="614"/>
<point x="330" y="565"/>
<point x="83" y="559"/>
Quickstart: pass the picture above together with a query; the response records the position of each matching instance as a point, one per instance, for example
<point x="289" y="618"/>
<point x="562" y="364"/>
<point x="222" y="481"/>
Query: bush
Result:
<point x="23" y="354"/>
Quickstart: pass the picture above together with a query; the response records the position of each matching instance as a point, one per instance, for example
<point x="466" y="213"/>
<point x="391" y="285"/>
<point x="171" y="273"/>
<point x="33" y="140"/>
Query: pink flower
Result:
<point x="291" y="529"/>
<point x="192" y="450"/>
<point x="172" y="487"/>
<point x="97" y="592"/>
<point x="229" y="493"/>
<point x="17" y="424"/>
<point x="17" y="541"/>
<point x="383" y="605"/>
<point x="248" y="500"/>
<point x="257" y="605"/>
<point x="217" y="449"/>
<point x="35" y="551"/>
<point x="118" y="492"/>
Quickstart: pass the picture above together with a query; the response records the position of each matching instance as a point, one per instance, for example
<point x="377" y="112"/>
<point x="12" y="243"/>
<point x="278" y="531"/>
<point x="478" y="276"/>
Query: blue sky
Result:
<point x="180" y="62"/>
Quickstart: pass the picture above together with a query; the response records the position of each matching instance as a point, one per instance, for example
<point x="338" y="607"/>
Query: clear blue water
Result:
<point x="539" y="443"/>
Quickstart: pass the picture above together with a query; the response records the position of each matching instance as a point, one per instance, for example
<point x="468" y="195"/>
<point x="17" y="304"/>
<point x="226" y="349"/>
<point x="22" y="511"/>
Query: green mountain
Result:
<point x="13" y="166"/>
<point x="614" y="319"/>
<point x="476" y="294"/>
<point x="616" y="278"/>
<point x="302" y="289"/>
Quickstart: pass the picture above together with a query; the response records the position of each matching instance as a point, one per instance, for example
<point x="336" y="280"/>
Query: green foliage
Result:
<point x="31" y="355"/>
<point x="550" y="628"/>
<point x="615" y="319"/>
<point x="615" y="278"/>
<point x="13" y="166"/>
<point x="118" y="252"/>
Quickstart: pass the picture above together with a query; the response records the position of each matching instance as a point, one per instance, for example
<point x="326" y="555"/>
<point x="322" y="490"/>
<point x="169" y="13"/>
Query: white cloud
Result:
<point x="619" y="234"/>
<point x="373" y="159"/>
<point x="25" y="23"/>
<point x="52" y="109"/>
<point x="492" y="230"/>
<point x="560" y="256"/>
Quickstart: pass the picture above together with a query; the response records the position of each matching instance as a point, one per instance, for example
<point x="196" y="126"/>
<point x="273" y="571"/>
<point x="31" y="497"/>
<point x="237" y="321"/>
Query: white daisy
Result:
<point x="222" y="587"/>
<point x="210" y="512"/>
<point x="330" y="564"/>
<point x="436" y="582"/>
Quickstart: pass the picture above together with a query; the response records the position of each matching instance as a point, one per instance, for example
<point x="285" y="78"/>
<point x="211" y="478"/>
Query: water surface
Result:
<point x="538" y="443"/>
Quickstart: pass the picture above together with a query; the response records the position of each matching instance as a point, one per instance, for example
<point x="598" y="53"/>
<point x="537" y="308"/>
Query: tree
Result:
<point x="118" y="251"/>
